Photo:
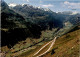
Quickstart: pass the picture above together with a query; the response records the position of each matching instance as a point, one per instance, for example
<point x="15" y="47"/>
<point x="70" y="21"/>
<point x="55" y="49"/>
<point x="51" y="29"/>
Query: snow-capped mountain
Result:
<point x="14" y="4"/>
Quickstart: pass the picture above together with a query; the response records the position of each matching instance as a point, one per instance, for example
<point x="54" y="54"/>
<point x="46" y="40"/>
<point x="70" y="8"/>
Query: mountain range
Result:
<point x="22" y="21"/>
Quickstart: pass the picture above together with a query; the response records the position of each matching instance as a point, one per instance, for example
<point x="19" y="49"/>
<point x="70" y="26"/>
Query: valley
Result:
<point x="28" y="31"/>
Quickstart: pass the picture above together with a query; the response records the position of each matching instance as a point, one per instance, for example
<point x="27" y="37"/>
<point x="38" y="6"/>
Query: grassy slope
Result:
<point x="65" y="46"/>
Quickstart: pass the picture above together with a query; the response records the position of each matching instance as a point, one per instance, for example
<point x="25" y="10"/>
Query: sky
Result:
<point x="54" y="5"/>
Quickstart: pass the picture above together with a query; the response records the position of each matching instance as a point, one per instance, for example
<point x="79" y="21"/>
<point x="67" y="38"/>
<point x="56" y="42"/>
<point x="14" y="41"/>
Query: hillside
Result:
<point x="14" y="28"/>
<point x="67" y="45"/>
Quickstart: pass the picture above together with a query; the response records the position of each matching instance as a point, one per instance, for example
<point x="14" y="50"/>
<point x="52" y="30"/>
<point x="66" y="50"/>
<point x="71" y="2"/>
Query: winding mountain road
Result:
<point x="52" y="43"/>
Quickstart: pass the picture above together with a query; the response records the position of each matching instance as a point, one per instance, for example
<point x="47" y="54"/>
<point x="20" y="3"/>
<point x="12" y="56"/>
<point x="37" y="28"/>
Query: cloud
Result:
<point x="12" y="4"/>
<point x="48" y="5"/>
<point x="26" y="0"/>
<point x="41" y="1"/>
<point x="66" y="2"/>
<point x="75" y="12"/>
<point x="72" y="5"/>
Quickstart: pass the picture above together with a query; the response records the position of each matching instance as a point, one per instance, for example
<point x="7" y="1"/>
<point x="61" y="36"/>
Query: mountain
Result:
<point x="69" y="16"/>
<point x="9" y="17"/>
<point x="23" y="21"/>
<point x="9" y="21"/>
<point x="14" y="28"/>
<point x="38" y="16"/>
<point x="27" y="28"/>
<point x="68" y="13"/>
<point x="39" y="13"/>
